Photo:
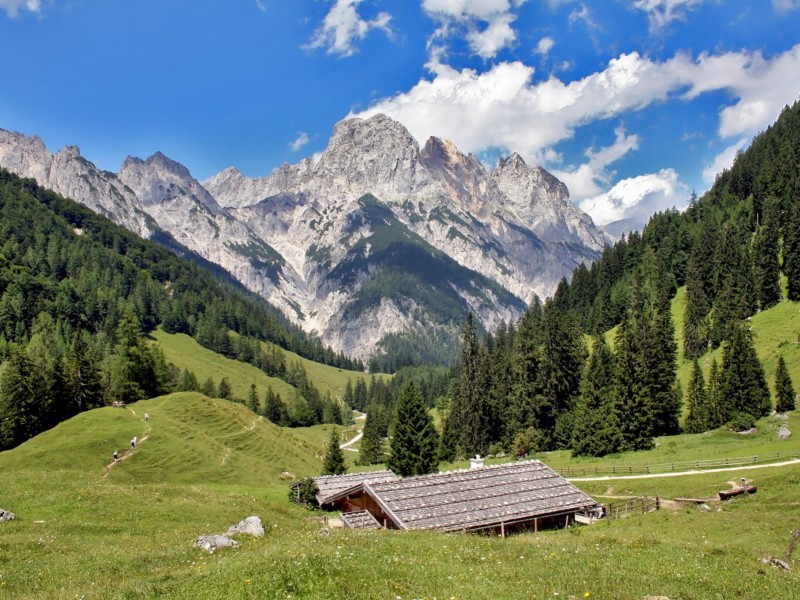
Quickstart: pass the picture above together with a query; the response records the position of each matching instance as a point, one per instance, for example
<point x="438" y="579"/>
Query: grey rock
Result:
<point x="212" y="543"/>
<point x="250" y="525"/>
<point x="784" y="432"/>
<point x="324" y="532"/>
<point x="6" y="515"/>
<point x="777" y="562"/>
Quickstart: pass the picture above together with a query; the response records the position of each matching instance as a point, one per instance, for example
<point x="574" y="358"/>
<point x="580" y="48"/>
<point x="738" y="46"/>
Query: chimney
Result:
<point x="476" y="463"/>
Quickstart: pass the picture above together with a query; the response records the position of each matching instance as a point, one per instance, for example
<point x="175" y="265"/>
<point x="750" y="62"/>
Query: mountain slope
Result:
<point x="499" y="239"/>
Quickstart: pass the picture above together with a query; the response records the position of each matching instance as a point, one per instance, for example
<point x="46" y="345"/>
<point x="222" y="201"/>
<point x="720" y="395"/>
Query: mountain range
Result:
<point x="373" y="239"/>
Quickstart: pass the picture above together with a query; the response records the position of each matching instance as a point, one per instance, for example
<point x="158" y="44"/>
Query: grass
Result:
<point x="185" y="353"/>
<point x="85" y="531"/>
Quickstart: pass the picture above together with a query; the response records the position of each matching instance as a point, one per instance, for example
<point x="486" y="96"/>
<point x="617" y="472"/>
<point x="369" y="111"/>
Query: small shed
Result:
<point x="500" y="497"/>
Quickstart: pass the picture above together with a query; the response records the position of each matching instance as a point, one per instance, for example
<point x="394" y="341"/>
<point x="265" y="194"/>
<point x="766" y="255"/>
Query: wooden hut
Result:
<point x="499" y="497"/>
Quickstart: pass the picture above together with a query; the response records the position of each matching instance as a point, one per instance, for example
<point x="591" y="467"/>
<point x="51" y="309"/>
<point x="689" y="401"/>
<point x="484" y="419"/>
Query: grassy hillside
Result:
<point x="84" y="530"/>
<point x="186" y="353"/>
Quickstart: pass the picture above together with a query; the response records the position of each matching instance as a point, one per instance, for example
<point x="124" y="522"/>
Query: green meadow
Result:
<point x="86" y="529"/>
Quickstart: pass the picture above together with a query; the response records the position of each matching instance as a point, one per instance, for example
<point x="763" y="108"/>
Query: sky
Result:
<point x="634" y="104"/>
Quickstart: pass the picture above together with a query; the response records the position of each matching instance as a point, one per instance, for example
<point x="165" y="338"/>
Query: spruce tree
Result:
<point x="524" y="389"/>
<point x="784" y="390"/>
<point x="791" y="251"/>
<point x="695" y="319"/>
<point x="252" y="399"/>
<point x="743" y="387"/>
<point x="274" y="410"/>
<point x="414" y="446"/>
<point x="224" y="391"/>
<point x="20" y="417"/>
<point x="469" y="406"/>
<point x="334" y="457"/>
<point x="371" y="448"/>
<point x="660" y="356"/>
<point x="633" y="402"/>
<point x="716" y="412"/>
<point x="766" y="260"/>
<point x="596" y="430"/>
<point x="697" y="403"/>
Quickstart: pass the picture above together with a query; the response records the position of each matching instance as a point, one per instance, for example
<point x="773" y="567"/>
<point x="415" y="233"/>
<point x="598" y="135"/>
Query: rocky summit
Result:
<point x="375" y="238"/>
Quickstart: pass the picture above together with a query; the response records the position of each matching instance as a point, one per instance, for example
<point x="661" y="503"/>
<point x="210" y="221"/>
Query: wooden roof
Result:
<point x="478" y="498"/>
<point x="360" y="519"/>
<point x="330" y="486"/>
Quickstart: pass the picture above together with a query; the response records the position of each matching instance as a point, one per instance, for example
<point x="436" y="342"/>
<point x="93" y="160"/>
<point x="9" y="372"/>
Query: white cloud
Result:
<point x="590" y="178"/>
<point x="636" y="198"/>
<point x="661" y="13"/>
<point x="723" y="160"/>
<point x="487" y="23"/>
<point x="503" y="108"/>
<point x="545" y="45"/>
<point x="343" y="26"/>
<point x="261" y="6"/>
<point x="13" y="7"/>
<point x="785" y="6"/>
<point x="584" y="15"/>
<point x="301" y="140"/>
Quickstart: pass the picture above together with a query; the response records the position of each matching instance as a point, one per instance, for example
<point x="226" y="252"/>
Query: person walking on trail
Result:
<point x="133" y="443"/>
<point x="116" y="456"/>
<point x="146" y="416"/>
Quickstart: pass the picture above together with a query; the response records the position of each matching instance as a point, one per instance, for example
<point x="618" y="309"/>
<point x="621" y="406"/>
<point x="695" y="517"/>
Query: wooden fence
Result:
<point x="627" y="507"/>
<point x="672" y="467"/>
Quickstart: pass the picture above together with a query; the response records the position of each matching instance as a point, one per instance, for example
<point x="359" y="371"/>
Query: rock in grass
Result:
<point x="210" y="543"/>
<point x="6" y="515"/>
<point x="784" y="432"/>
<point x="776" y="562"/>
<point x="251" y="525"/>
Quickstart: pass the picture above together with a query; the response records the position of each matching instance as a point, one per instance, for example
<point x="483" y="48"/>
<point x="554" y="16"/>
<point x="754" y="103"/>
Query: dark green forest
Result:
<point x="535" y="385"/>
<point x="78" y="296"/>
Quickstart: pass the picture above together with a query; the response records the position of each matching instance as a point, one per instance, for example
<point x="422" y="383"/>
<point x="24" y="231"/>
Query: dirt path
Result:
<point x="684" y="473"/>
<point x="358" y="436"/>
<point x="125" y="455"/>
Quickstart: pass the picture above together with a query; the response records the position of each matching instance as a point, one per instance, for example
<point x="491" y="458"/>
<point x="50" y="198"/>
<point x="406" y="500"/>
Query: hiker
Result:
<point x="116" y="456"/>
<point x="133" y="443"/>
<point x="146" y="416"/>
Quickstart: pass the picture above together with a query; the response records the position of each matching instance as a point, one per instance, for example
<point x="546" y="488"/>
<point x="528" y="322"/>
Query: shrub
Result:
<point x="741" y="421"/>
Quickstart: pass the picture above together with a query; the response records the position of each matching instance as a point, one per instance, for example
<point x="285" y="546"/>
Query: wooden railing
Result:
<point x="677" y="466"/>
<point x="627" y="507"/>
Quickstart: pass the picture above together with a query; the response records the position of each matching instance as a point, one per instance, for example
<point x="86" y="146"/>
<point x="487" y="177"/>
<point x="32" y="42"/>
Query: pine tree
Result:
<point x="596" y="431"/>
<point x="415" y="442"/>
<point x="209" y="388"/>
<point x="697" y="402"/>
<point x="784" y="390"/>
<point x="224" y="390"/>
<point x="371" y="449"/>
<point x="20" y="417"/>
<point x="791" y="251"/>
<point x="469" y="407"/>
<point x="83" y="374"/>
<point x="695" y="320"/>
<point x="716" y="412"/>
<point x="660" y="355"/>
<point x="743" y="387"/>
<point x="334" y="458"/>
<point x="524" y="389"/>
<point x="766" y="259"/>
<point x="274" y="410"/>
<point x="252" y="399"/>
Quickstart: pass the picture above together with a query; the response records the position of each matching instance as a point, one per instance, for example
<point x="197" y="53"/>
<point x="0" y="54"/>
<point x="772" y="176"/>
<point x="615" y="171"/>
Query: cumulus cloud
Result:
<point x="589" y="179"/>
<point x="633" y="200"/>
<point x="343" y="26"/>
<point x="301" y="140"/>
<point x="661" y="13"/>
<point x="487" y="23"/>
<point x="504" y="108"/>
<point x="723" y="160"/>
<point x="13" y="7"/>
<point x="544" y="46"/>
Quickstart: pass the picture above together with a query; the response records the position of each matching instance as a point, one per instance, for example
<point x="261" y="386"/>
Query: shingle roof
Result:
<point x="360" y="519"/>
<point x="478" y="498"/>
<point x="331" y="485"/>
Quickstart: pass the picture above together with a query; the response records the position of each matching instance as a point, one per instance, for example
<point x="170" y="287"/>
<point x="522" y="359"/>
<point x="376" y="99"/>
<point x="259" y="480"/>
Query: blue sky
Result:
<point x="633" y="103"/>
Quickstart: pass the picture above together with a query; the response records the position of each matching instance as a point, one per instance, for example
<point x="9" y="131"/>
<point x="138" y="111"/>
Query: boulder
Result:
<point x="6" y="516"/>
<point x="210" y="543"/>
<point x="784" y="432"/>
<point x="251" y="525"/>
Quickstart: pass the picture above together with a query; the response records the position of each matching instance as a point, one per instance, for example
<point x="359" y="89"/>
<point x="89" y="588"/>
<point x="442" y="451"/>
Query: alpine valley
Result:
<point x="370" y="242"/>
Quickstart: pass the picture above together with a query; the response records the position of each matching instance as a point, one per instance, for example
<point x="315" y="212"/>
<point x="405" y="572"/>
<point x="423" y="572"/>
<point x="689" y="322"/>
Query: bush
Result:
<point x="741" y="421"/>
<point x="304" y="492"/>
